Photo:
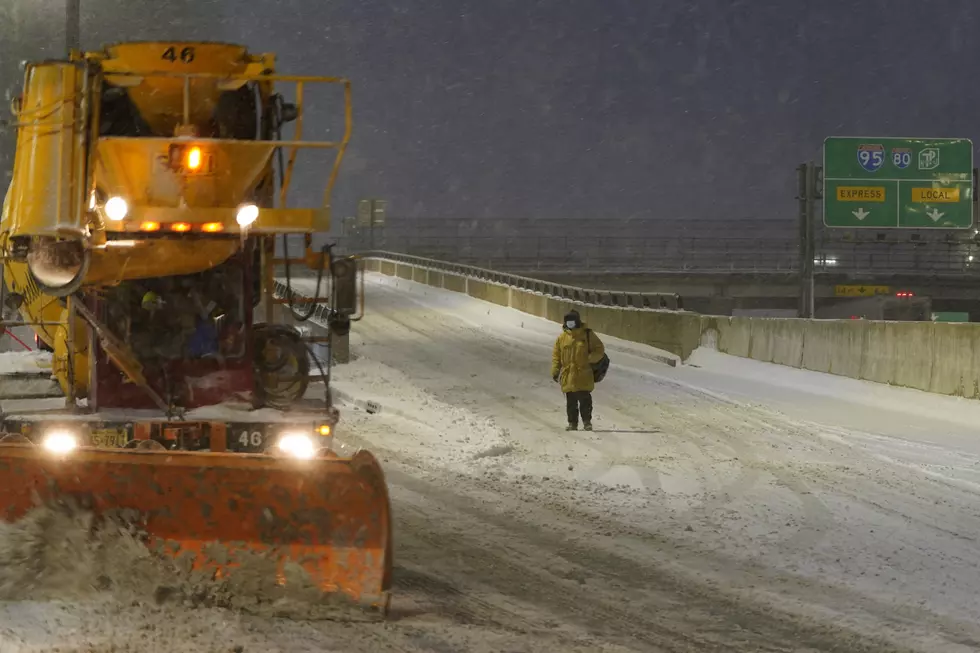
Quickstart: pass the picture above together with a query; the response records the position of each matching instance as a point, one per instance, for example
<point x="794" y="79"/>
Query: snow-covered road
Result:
<point x="724" y="506"/>
<point x="746" y="505"/>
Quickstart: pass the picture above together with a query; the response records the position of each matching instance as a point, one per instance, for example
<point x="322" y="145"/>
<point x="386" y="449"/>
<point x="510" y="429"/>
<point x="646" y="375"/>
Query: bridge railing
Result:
<point x="596" y="254"/>
<point x="618" y="255"/>
<point x="622" y="299"/>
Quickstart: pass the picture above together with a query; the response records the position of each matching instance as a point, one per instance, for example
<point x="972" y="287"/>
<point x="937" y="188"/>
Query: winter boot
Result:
<point x="588" y="426"/>
<point x="571" y="427"/>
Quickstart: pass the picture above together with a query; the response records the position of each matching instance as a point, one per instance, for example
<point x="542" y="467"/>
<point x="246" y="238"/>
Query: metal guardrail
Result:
<point x="614" y="298"/>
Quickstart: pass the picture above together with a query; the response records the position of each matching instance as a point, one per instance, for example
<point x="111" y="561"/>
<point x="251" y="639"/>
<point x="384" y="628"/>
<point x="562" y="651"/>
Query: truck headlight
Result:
<point x="116" y="208"/>
<point x="247" y="214"/>
<point x="297" y="445"/>
<point x="59" y="441"/>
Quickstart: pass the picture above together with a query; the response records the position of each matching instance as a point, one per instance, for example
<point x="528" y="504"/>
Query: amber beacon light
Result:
<point x="194" y="158"/>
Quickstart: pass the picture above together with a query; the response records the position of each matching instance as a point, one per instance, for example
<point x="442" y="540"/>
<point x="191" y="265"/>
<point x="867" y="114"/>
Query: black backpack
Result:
<point x="598" y="369"/>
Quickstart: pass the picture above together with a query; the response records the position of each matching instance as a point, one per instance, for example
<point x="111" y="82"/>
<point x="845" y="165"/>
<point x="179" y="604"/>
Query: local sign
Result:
<point x="910" y="183"/>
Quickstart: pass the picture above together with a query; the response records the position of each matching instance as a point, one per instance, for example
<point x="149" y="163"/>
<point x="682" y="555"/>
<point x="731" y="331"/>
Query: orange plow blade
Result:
<point x="329" y="516"/>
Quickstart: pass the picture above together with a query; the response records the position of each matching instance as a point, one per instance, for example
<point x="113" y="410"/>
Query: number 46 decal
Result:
<point x="186" y="54"/>
<point x="253" y="439"/>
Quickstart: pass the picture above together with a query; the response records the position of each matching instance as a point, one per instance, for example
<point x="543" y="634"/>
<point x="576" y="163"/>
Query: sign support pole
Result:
<point x="806" y="194"/>
<point x="975" y="214"/>
<point x="801" y="173"/>
<point x="811" y="196"/>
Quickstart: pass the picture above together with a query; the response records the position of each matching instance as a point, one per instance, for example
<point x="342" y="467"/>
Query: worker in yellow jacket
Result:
<point x="576" y="350"/>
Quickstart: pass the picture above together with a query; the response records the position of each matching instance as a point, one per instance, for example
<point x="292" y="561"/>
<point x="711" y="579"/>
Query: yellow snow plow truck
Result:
<point x="148" y="212"/>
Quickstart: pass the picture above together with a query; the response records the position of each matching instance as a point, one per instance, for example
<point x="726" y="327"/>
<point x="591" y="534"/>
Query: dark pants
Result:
<point x="578" y="401"/>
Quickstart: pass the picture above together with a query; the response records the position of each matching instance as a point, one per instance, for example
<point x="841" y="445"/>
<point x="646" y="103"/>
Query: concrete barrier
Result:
<point x="488" y="292"/>
<point x="476" y="289"/>
<point x="877" y="357"/>
<point x="454" y="282"/>
<point x="678" y="333"/>
<point x="774" y="340"/>
<point x="674" y="332"/>
<point x="435" y="278"/>
<point x="529" y="302"/>
<point x="936" y="357"/>
<point x="607" y="321"/>
<point x="835" y="347"/>
<point x="729" y="335"/>
<point x="912" y="349"/>
<point x="957" y="375"/>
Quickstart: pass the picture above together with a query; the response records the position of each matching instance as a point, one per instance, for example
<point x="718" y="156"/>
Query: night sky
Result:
<point x="598" y="109"/>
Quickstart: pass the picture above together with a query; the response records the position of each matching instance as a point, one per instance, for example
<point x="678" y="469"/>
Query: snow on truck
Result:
<point x="139" y="241"/>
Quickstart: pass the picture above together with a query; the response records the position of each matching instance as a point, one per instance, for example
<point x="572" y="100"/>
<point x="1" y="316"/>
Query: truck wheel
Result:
<point x="282" y="365"/>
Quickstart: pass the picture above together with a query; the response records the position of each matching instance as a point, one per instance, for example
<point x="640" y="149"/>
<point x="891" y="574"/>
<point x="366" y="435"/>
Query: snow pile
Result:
<point x="412" y="421"/>
<point x="29" y="387"/>
<point x="25" y="362"/>
<point x="64" y="552"/>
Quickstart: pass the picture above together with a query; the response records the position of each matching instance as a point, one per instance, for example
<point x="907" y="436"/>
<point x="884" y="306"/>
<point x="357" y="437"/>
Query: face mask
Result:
<point x="570" y="325"/>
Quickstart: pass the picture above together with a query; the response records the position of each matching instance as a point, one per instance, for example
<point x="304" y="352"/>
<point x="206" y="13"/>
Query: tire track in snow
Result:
<point x="698" y="565"/>
<point x="437" y="327"/>
<point x="619" y="594"/>
<point x="744" y="429"/>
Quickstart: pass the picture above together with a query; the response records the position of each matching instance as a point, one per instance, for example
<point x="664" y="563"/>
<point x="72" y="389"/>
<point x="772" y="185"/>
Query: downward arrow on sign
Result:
<point x="935" y="215"/>
<point x="860" y="214"/>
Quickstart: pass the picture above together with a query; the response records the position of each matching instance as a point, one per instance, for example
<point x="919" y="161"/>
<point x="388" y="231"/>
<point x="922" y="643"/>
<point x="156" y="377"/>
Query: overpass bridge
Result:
<point x="728" y="292"/>
<point x="722" y="293"/>
<point x="718" y="265"/>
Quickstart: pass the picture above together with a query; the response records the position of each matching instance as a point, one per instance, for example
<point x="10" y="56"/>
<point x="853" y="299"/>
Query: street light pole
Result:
<point x="72" y="25"/>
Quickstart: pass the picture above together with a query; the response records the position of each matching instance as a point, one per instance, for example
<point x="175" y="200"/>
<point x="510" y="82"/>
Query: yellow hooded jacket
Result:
<point x="572" y="359"/>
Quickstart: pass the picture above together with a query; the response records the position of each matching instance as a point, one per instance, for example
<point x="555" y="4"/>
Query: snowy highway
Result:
<point x="723" y="505"/>
<point x="726" y="505"/>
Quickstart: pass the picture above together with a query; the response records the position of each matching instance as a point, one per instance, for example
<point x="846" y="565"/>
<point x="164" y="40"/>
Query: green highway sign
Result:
<point x="909" y="183"/>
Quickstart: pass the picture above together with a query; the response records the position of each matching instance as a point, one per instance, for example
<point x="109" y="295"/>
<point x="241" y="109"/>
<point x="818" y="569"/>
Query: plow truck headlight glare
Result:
<point x="297" y="445"/>
<point x="116" y="208"/>
<point x="60" y="442"/>
<point x="247" y="214"/>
